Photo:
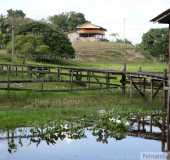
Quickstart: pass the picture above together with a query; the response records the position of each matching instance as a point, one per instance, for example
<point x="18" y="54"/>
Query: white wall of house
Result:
<point x="74" y="36"/>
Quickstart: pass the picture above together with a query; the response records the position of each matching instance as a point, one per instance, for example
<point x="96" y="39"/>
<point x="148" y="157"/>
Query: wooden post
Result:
<point x="144" y="85"/>
<point x="42" y="85"/>
<point x="22" y="71"/>
<point x="16" y="71"/>
<point x="151" y="123"/>
<point x="8" y="70"/>
<point x="163" y="128"/>
<point x="123" y="80"/>
<point x="58" y="74"/>
<point x="143" y="123"/>
<point x="71" y="78"/>
<point x="131" y="89"/>
<point x="138" y="121"/>
<point x="88" y="78"/>
<point x="165" y="84"/>
<point x="151" y="90"/>
<point x="168" y="106"/>
<point x="107" y="80"/>
<point x="140" y="79"/>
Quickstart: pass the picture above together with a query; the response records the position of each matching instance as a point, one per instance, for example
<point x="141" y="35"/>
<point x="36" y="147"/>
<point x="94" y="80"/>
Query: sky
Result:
<point x="128" y="18"/>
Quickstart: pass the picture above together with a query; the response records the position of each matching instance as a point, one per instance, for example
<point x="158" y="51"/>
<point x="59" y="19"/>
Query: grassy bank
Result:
<point x="99" y="55"/>
<point x="106" y="52"/>
<point x="27" y="108"/>
<point x="131" y="67"/>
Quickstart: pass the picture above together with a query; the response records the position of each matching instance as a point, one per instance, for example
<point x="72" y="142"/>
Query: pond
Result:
<point x="82" y="141"/>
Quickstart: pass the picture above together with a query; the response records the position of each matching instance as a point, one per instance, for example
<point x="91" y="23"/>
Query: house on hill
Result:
<point x="87" y="32"/>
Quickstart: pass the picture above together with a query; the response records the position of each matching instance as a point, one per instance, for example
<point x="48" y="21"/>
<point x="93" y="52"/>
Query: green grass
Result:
<point x="131" y="67"/>
<point x="107" y="52"/>
<point x="100" y="62"/>
<point x="29" y="108"/>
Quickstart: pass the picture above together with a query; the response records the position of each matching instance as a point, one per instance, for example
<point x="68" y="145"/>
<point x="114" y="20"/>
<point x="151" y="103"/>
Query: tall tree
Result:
<point x="15" y="13"/>
<point x="155" y="42"/>
<point x="15" y="18"/>
<point x="67" y="21"/>
<point x="58" y="43"/>
<point x="75" y="19"/>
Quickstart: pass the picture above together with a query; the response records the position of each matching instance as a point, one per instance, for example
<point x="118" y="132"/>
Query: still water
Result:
<point x="88" y="146"/>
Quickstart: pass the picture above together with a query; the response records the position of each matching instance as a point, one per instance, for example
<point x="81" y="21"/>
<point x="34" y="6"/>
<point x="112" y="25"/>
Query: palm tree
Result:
<point x="115" y="36"/>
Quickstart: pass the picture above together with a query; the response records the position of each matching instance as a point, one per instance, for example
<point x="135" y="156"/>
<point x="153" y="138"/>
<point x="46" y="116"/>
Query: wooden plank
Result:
<point x="168" y="106"/>
<point x="140" y="92"/>
<point x="49" y="80"/>
<point x="158" y="89"/>
<point x="55" y="90"/>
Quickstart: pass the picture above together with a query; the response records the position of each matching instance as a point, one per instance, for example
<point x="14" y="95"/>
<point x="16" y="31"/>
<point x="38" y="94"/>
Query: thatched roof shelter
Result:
<point x="91" y="29"/>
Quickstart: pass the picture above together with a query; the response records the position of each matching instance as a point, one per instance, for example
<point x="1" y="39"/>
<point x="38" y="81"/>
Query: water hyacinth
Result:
<point x="118" y="121"/>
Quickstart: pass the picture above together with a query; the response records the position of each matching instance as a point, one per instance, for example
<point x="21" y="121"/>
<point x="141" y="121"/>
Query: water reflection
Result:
<point x="106" y="128"/>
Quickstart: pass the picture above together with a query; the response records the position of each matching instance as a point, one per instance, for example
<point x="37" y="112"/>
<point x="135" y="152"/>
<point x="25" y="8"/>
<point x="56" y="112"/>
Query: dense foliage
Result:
<point x="28" y="45"/>
<point x="38" y="40"/>
<point x="67" y="21"/>
<point x="155" y="43"/>
<point x="15" y="18"/>
<point x="15" y="13"/>
<point x="58" y="44"/>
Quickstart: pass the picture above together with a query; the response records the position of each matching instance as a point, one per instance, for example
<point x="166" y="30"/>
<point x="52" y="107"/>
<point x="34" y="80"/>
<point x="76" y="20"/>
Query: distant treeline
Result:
<point x="36" y="38"/>
<point x="48" y="37"/>
<point x="155" y="43"/>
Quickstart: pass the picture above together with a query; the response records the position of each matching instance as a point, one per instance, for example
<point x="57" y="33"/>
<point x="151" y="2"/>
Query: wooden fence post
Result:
<point x="8" y="72"/>
<point x="16" y="71"/>
<point x="71" y="78"/>
<point x="152" y="83"/>
<point x="107" y="80"/>
<point x="151" y="122"/>
<point x="168" y="122"/>
<point x="144" y="85"/>
<point x="88" y="78"/>
<point x="58" y="74"/>
<point x="131" y="87"/>
<point x="22" y="70"/>
<point x="165" y="84"/>
<point x="42" y="85"/>
<point x="140" y="79"/>
<point x="123" y="80"/>
<point x="168" y="105"/>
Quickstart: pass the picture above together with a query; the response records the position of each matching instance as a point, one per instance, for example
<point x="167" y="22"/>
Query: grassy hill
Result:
<point x="99" y="55"/>
<point x="106" y="52"/>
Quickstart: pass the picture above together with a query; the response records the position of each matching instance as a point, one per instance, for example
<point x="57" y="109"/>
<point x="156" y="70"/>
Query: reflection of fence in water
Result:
<point x="139" y="127"/>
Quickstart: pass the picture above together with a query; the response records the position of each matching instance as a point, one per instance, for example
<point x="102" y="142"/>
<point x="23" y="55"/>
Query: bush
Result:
<point x="53" y="41"/>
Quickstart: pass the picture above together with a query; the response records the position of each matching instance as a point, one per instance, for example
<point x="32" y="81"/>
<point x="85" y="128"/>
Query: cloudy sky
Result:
<point x="107" y="13"/>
